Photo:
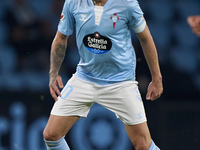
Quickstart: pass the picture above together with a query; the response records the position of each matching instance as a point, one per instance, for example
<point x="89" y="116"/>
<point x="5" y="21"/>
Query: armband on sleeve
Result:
<point x="140" y="26"/>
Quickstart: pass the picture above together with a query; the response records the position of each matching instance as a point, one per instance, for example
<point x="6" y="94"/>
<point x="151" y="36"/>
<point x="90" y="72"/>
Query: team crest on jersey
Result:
<point x="62" y="17"/>
<point x="97" y="43"/>
<point x="114" y="18"/>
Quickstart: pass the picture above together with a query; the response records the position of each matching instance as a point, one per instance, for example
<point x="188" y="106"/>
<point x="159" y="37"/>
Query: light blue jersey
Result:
<point x="103" y="38"/>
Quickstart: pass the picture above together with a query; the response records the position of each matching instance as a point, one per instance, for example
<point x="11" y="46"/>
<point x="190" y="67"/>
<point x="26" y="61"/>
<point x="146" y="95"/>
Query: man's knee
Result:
<point x="142" y="144"/>
<point x="51" y="136"/>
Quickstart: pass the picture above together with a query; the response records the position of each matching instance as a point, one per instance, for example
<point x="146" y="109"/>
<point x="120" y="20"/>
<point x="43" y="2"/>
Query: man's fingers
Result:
<point x="191" y="21"/>
<point x="149" y="92"/>
<point x="196" y="31"/>
<point x="55" y="88"/>
<point x="154" y="91"/>
<point x="194" y="22"/>
<point x="155" y="95"/>
<point x="53" y="94"/>
<point x="148" y="96"/>
<point x="60" y="83"/>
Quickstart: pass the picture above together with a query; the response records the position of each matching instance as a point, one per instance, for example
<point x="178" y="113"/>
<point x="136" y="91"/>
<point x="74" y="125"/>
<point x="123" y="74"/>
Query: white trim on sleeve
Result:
<point x="140" y="26"/>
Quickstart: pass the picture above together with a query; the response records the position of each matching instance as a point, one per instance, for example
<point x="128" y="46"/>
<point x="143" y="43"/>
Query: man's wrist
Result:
<point x="157" y="78"/>
<point x="53" y="73"/>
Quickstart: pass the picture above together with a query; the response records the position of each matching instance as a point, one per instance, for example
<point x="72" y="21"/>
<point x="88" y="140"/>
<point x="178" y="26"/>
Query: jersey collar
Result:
<point x="107" y="4"/>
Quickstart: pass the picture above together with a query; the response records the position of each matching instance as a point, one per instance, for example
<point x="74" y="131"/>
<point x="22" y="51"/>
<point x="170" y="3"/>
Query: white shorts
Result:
<point x="122" y="98"/>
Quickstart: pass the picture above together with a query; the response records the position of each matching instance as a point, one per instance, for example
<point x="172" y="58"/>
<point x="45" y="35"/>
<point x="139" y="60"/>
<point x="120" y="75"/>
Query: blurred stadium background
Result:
<point x="27" y="28"/>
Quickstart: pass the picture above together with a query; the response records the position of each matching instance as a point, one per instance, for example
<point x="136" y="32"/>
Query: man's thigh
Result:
<point x="124" y="100"/>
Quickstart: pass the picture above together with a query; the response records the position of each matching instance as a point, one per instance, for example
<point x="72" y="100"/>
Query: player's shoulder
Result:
<point x="130" y="2"/>
<point x="70" y="1"/>
<point x="78" y="3"/>
<point x="70" y="4"/>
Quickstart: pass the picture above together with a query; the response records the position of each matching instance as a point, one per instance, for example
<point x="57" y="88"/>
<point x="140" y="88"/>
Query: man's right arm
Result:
<point x="57" y="56"/>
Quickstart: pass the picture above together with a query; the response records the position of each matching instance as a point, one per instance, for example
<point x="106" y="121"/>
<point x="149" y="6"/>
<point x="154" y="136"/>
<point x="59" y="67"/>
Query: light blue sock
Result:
<point x="153" y="146"/>
<point x="57" y="145"/>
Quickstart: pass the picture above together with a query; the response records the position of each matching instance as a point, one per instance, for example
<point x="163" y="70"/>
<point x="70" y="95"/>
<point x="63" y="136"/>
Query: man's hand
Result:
<point x="53" y="82"/>
<point x="155" y="90"/>
<point x="194" y="22"/>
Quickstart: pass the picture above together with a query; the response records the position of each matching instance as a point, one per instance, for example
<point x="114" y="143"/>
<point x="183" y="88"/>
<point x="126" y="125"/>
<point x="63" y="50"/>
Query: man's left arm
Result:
<point x="155" y="88"/>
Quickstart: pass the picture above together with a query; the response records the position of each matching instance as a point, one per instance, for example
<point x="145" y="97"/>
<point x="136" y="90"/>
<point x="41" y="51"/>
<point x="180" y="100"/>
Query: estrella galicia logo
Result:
<point x="97" y="43"/>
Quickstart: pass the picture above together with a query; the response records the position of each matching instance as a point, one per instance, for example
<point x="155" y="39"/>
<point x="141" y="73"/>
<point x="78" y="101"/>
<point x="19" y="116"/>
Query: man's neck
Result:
<point x="99" y="2"/>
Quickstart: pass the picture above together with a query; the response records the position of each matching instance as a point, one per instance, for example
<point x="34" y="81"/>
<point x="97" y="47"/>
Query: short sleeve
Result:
<point x="137" y="21"/>
<point x="67" y="20"/>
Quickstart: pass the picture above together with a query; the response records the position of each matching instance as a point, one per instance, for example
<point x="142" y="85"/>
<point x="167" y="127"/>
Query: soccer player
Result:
<point x="106" y="71"/>
<point x="194" y="22"/>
